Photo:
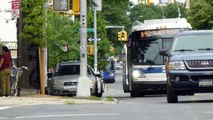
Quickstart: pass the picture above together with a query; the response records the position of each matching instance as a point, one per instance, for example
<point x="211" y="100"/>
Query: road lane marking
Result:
<point x="5" y="107"/>
<point x="3" y="118"/>
<point x="209" y="112"/>
<point x="66" y="115"/>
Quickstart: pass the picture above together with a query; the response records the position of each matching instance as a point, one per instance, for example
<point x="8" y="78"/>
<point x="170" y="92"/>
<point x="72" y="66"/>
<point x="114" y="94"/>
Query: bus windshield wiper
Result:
<point x="182" y="50"/>
<point x="205" y="49"/>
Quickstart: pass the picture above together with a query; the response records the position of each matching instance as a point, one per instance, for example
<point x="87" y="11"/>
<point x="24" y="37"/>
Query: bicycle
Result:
<point x="16" y="73"/>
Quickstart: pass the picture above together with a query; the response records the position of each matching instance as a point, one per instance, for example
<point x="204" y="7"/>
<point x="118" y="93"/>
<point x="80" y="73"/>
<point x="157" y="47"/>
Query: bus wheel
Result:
<point x="134" y="94"/>
<point x="171" y="96"/>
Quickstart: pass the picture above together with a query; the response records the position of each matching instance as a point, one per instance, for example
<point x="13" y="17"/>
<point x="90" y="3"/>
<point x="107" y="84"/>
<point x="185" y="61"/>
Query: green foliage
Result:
<point x="171" y="10"/>
<point x="143" y="12"/>
<point x="110" y="98"/>
<point x="200" y="14"/>
<point x="60" y="31"/>
<point x="70" y="102"/>
<point x="34" y="21"/>
<point x="115" y="14"/>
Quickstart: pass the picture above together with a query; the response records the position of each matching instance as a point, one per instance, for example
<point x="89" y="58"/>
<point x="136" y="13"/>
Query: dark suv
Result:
<point x="189" y="66"/>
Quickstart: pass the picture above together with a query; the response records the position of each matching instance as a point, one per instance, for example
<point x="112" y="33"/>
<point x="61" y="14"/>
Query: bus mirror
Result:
<point x="164" y="52"/>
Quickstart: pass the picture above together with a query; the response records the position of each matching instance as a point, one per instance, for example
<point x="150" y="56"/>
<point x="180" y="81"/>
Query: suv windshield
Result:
<point x="193" y="42"/>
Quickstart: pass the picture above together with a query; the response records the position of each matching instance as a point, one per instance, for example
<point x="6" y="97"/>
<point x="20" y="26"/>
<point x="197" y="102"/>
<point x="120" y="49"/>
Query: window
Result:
<point x="69" y="70"/>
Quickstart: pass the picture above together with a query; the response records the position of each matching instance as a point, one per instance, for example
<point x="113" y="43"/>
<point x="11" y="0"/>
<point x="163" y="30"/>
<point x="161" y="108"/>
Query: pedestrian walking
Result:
<point x="5" y="65"/>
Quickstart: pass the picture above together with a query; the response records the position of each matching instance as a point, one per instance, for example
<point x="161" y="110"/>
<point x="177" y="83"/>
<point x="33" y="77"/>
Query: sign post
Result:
<point x="15" y="8"/>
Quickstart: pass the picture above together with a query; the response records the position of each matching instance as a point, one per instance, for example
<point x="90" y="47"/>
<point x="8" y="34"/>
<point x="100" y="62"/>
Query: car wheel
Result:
<point x="171" y="96"/>
<point x="56" y="92"/>
<point x="99" y="94"/>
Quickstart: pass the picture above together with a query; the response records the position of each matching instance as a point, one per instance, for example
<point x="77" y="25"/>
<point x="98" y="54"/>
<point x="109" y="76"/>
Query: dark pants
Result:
<point x="5" y="82"/>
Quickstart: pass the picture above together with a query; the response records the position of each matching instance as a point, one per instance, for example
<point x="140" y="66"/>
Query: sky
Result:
<point x="7" y="26"/>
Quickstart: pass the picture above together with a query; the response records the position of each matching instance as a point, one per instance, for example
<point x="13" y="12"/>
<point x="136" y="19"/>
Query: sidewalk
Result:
<point x="46" y="99"/>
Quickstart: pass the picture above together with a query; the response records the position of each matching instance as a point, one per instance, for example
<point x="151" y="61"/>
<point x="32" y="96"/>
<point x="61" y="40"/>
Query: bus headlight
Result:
<point x="137" y="74"/>
<point x="176" y="65"/>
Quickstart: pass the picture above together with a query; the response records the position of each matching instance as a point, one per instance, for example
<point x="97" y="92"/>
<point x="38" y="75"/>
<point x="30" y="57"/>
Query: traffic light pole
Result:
<point x="83" y="89"/>
<point x="95" y="37"/>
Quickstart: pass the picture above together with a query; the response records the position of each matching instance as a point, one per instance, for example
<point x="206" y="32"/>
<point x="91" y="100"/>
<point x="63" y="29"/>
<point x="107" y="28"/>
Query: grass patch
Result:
<point x="110" y="98"/>
<point x="94" y="98"/>
<point x="88" y="98"/>
<point x="70" y="102"/>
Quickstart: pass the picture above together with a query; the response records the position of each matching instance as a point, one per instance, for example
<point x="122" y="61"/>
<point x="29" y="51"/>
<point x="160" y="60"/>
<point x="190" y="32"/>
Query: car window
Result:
<point x="88" y="71"/>
<point x="69" y="70"/>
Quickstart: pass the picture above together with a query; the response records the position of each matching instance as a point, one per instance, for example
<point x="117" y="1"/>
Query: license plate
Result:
<point x="205" y="83"/>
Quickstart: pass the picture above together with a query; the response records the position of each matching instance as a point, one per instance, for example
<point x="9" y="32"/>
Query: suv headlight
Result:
<point x="57" y="83"/>
<point x="176" y="65"/>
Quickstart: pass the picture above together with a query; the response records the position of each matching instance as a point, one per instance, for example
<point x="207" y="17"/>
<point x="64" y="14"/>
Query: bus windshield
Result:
<point x="146" y="45"/>
<point x="147" y="53"/>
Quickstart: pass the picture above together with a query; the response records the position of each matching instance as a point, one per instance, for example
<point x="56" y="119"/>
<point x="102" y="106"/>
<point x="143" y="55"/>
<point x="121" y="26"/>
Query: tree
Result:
<point x="171" y="10"/>
<point x="115" y="14"/>
<point x="33" y="29"/>
<point x="200" y="14"/>
<point x="143" y="12"/>
<point x="60" y="31"/>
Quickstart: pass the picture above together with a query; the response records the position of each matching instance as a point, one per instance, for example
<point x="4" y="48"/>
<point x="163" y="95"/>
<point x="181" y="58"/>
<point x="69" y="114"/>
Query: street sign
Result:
<point x="92" y="39"/>
<point x="91" y="30"/>
<point x="15" y="8"/>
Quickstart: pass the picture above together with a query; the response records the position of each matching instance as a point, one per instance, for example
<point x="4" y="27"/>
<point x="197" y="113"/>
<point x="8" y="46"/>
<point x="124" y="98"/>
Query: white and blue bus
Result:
<point x="143" y="67"/>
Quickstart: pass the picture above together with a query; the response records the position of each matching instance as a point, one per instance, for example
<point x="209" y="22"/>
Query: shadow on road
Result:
<point x="196" y="101"/>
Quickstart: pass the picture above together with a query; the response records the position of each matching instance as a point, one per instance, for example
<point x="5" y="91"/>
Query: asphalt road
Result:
<point x="198" y="107"/>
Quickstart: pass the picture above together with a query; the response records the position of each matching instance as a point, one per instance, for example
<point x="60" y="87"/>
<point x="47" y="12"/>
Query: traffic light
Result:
<point x="76" y="6"/>
<point x="122" y="35"/>
<point x="150" y="2"/>
<point x="61" y="5"/>
<point x="90" y="49"/>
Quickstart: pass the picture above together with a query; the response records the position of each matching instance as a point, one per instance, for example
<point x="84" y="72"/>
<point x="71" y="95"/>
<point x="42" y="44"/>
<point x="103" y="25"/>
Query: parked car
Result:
<point x="65" y="79"/>
<point x="189" y="66"/>
<point x="108" y="73"/>
<point x="118" y="66"/>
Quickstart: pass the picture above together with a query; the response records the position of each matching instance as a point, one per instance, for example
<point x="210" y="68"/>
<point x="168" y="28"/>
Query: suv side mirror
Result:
<point x="164" y="52"/>
<point x="98" y="75"/>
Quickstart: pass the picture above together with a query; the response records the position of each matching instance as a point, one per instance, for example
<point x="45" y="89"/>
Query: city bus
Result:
<point x="143" y="66"/>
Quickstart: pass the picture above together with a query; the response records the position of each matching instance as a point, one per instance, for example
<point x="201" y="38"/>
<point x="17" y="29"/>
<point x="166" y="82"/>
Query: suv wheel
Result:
<point x="171" y="96"/>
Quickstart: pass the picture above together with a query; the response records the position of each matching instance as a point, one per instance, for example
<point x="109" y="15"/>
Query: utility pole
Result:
<point x="95" y="36"/>
<point x="83" y="89"/>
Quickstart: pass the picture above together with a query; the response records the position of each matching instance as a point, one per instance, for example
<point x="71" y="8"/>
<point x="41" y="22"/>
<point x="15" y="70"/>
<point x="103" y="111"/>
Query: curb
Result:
<point x="31" y="100"/>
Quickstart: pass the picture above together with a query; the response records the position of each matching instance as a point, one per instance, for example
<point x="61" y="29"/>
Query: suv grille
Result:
<point x="70" y="83"/>
<point x="199" y="64"/>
